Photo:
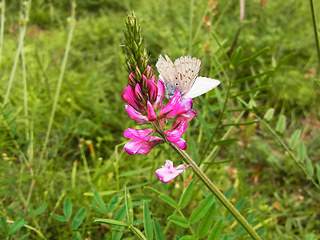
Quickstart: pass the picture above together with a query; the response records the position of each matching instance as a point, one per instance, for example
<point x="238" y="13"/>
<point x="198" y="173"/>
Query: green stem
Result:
<point x="188" y="160"/>
<point x="30" y="228"/>
<point x="63" y="67"/>
<point x="3" y="7"/>
<point x="315" y="29"/>
<point x="20" y="45"/>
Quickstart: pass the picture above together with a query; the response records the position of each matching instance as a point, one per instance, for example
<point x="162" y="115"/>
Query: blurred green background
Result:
<point x="272" y="63"/>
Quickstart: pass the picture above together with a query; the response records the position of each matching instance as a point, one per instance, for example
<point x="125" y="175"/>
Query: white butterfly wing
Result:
<point x="201" y="86"/>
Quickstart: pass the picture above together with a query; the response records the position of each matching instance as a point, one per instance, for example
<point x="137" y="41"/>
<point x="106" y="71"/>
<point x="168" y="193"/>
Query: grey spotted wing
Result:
<point x="187" y="69"/>
<point x="168" y="74"/>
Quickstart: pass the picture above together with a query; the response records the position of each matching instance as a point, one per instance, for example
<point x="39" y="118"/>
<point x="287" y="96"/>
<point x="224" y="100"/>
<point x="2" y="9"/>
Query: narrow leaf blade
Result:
<point x="147" y="221"/>
<point x="78" y="218"/>
<point x="215" y="232"/>
<point x="129" y="206"/>
<point x="157" y="230"/>
<point x="201" y="209"/>
<point x="17" y="225"/>
<point x="110" y="221"/>
<point x="67" y="208"/>
<point x="186" y="196"/>
<point x="179" y="220"/>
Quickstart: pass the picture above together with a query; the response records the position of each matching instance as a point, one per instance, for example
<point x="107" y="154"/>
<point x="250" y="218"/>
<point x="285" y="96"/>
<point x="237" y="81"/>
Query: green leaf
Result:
<point x="215" y="232"/>
<point x="318" y="173"/>
<point x="249" y="78"/>
<point x="67" y="208"/>
<point x="129" y="206"/>
<point x="225" y="142"/>
<point x="186" y="196"/>
<point x="236" y="56"/>
<point x="302" y="151"/>
<point x="206" y="131"/>
<point x="157" y="230"/>
<point x="78" y="218"/>
<point x="179" y="220"/>
<point x="59" y="217"/>
<point x="269" y="114"/>
<point x="201" y="209"/>
<point x="206" y="222"/>
<point x="119" y="216"/>
<point x="281" y="124"/>
<point x="137" y="232"/>
<point x="101" y="204"/>
<point x="17" y="225"/>
<point x="110" y="221"/>
<point x="255" y="55"/>
<point x="24" y="236"/>
<point x="4" y="225"/>
<point x="40" y="209"/>
<point x="147" y="221"/>
<point x="113" y="203"/>
<point x="170" y="201"/>
<point x="76" y="236"/>
<point x="310" y="168"/>
<point x="295" y="138"/>
<point x="188" y="237"/>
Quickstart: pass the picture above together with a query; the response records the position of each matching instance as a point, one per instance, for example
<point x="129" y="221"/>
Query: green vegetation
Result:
<point x="63" y="169"/>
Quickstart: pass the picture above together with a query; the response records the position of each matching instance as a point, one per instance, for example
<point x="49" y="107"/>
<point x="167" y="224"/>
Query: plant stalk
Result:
<point x="188" y="160"/>
<point x="315" y="29"/>
<point x="63" y="67"/>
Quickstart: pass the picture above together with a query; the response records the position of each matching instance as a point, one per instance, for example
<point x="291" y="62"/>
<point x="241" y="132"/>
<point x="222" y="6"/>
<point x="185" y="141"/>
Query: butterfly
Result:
<point x="183" y="75"/>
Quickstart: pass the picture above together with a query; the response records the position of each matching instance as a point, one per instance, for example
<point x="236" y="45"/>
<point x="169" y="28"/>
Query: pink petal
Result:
<point x="137" y="91"/>
<point x="178" y="130"/>
<point x="149" y="72"/>
<point x="153" y="91"/>
<point x="185" y="105"/>
<point x="135" y="115"/>
<point x="172" y="106"/>
<point x="131" y="80"/>
<point x="137" y="146"/>
<point x="168" y="172"/>
<point x="179" y="142"/>
<point x="159" y="99"/>
<point x="187" y="116"/>
<point x="129" y="97"/>
<point x="151" y="113"/>
<point x="141" y="134"/>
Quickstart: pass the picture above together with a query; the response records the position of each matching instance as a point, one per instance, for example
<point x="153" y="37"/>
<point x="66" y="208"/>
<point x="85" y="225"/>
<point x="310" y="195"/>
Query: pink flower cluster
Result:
<point x="145" y="99"/>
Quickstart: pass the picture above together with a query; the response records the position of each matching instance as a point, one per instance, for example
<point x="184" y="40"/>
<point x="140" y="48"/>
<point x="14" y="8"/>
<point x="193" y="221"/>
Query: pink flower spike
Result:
<point x="172" y="106"/>
<point x="135" y="115"/>
<point x="151" y="113"/>
<point x="128" y="96"/>
<point x="141" y="134"/>
<point x="168" y="172"/>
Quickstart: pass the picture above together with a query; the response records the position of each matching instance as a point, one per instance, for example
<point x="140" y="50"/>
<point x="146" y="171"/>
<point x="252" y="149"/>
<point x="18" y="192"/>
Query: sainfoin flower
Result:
<point x="145" y="99"/>
<point x="168" y="172"/>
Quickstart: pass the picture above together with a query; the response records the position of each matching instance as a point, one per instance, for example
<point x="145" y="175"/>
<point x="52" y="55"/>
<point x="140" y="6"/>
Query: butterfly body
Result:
<point x="183" y="75"/>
